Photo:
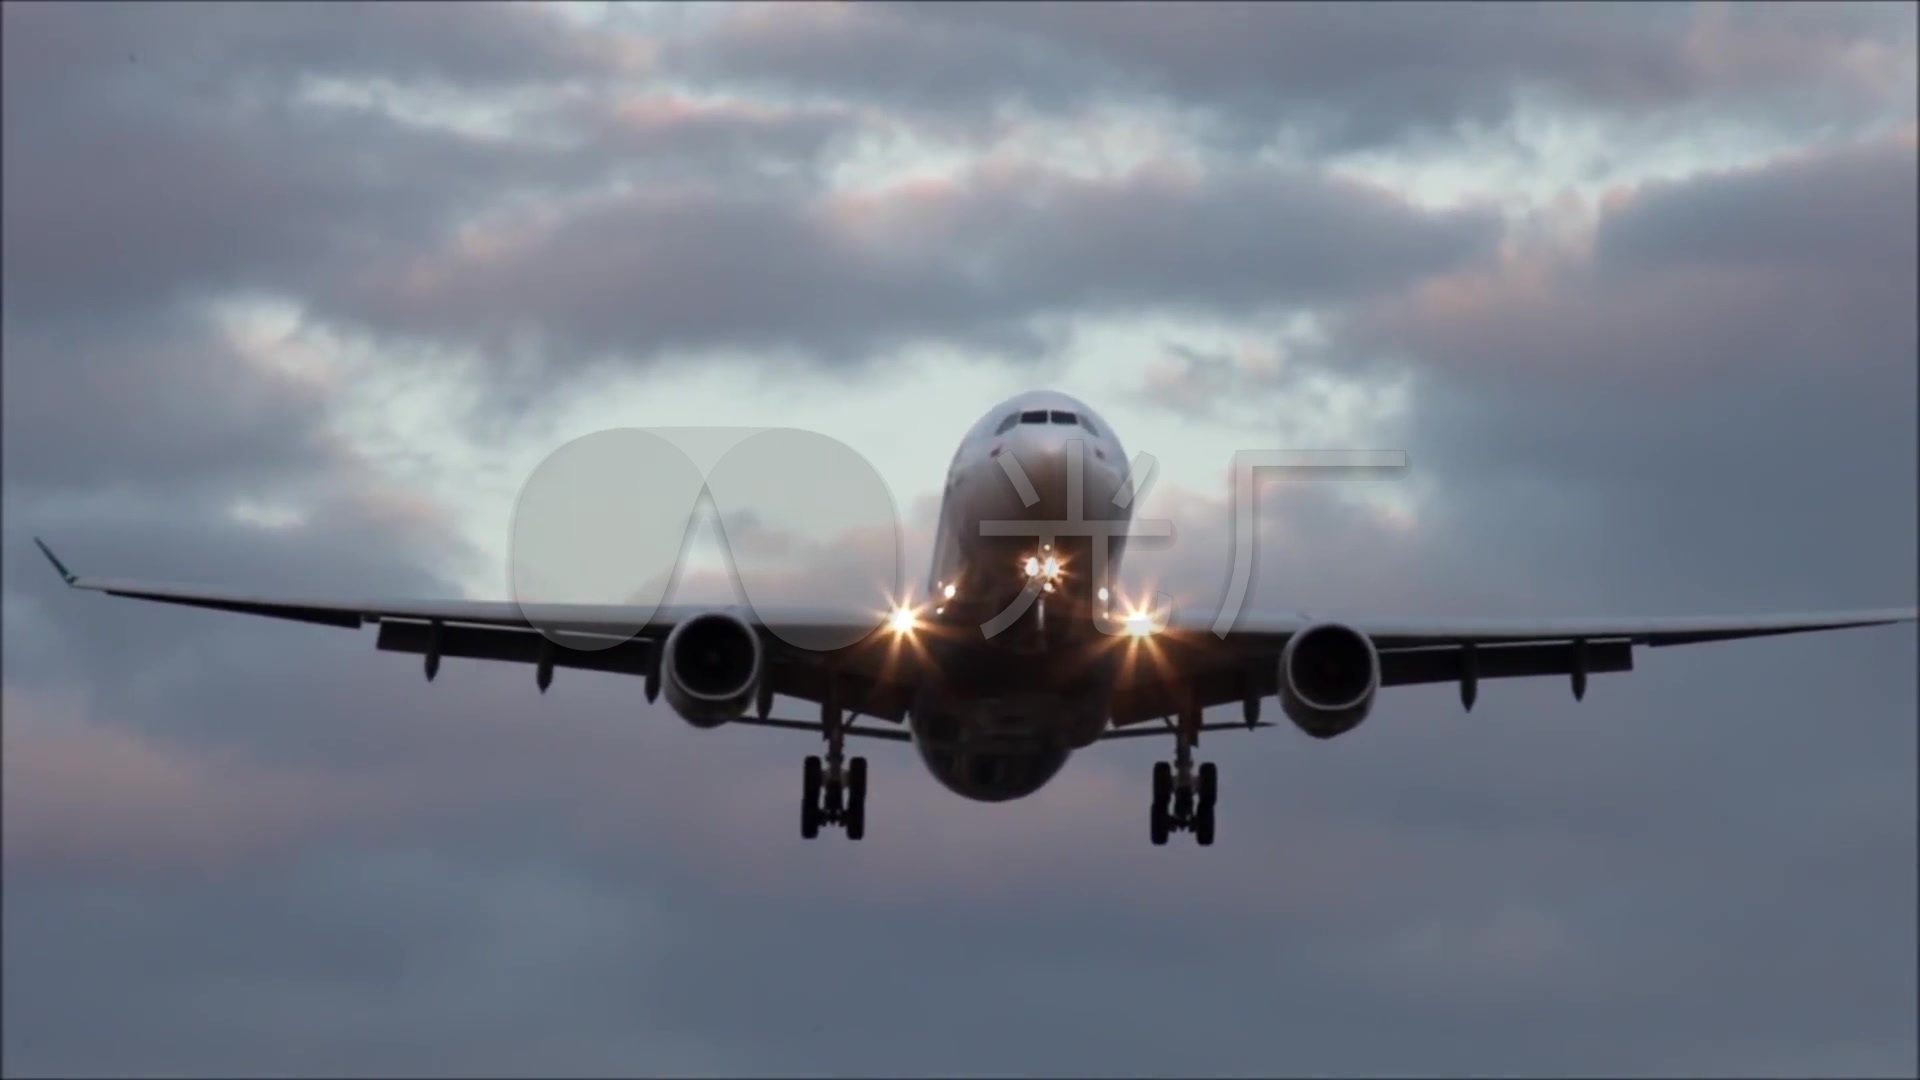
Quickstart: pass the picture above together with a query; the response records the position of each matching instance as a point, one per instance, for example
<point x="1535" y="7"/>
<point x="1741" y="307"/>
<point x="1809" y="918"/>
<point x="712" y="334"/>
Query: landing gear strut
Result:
<point x="833" y="791"/>
<point x="1183" y="796"/>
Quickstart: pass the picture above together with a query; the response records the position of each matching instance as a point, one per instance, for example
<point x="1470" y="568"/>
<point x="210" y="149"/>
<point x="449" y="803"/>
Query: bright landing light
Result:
<point x="1139" y="622"/>
<point x="903" y="620"/>
<point x="1045" y="569"/>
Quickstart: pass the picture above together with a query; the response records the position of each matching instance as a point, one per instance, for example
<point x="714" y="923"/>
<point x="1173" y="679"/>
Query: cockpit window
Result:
<point x="1074" y="418"/>
<point x="1046" y="416"/>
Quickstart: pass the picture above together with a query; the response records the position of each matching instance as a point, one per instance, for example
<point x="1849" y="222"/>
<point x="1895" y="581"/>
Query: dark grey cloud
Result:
<point x="1762" y="346"/>
<point x="1736" y="334"/>
<point x="103" y="48"/>
<point x="669" y="138"/>
<point x="137" y="186"/>
<point x="143" y="190"/>
<point x="1336" y="75"/>
<point x="1845" y="209"/>
<point x="888" y="53"/>
<point x="158" y="397"/>
<point x="972" y="261"/>
<point x="134" y="185"/>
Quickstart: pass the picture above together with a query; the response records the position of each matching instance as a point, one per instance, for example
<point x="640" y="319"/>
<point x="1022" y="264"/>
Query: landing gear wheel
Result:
<point x="1203" y="826"/>
<point x="855" y="819"/>
<point x="838" y="792"/>
<point x="857" y="782"/>
<point x="1209" y="786"/>
<point x="1159" y="822"/>
<point x="810" y="798"/>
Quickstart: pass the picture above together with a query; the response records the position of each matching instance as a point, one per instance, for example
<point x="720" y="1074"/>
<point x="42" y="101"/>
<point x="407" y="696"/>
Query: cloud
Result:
<point x="131" y="181"/>
<point x="506" y="44"/>
<point x="1741" y="273"/>
<point x="157" y="400"/>
<point x="846" y="278"/>
<point x="1335" y="77"/>
<point x="1775" y="354"/>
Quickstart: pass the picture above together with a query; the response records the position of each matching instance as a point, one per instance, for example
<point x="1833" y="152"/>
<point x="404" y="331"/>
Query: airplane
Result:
<point x="1024" y="652"/>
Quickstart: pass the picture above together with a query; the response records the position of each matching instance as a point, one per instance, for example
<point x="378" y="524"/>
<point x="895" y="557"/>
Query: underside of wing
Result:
<point x="1189" y="663"/>
<point x="1398" y="633"/>
<point x="871" y="674"/>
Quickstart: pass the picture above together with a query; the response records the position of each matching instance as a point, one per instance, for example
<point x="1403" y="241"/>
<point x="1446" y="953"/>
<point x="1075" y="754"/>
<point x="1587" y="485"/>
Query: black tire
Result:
<point x="856" y="814"/>
<point x="810" y="798"/>
<point x="1203" y="826"/>
<point x="1162" y="785"/>
<point x="1158" y="824"/>
<point x="857" y="783"/>
<point x="1209" y="785"/>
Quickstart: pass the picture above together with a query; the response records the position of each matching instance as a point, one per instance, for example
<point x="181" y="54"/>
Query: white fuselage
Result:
<point x="1031" y="532"/>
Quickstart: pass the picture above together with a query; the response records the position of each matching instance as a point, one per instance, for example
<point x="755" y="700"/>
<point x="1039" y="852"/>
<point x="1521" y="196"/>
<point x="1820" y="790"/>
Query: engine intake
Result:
<point x="1329" y="674"/>
<point x="711" y="666"/>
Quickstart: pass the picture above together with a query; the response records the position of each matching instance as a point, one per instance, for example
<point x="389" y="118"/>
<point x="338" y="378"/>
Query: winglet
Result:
<point x="66" y="575"/>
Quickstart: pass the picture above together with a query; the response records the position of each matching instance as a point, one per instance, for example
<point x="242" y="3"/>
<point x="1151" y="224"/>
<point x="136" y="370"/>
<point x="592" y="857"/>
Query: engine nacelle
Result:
<point x="1329" y="674"/>
<point x="711" y="667"/>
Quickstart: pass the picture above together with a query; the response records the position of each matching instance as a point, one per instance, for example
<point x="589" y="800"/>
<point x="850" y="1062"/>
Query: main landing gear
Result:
<point x="1183" y="797"/>
<point x="834" y="791"/>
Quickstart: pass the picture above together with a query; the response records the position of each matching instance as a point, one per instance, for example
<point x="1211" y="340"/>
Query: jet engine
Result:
<point x="711" y="666"/>
<point x="1329" y="674"/>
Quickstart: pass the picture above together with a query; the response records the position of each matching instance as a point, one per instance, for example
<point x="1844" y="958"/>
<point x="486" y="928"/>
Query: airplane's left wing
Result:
<point x="1188" y="660"/>
<point x="873" y="673"/>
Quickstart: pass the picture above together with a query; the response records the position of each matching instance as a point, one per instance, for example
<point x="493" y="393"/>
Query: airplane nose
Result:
<point x="1056" y="469"/>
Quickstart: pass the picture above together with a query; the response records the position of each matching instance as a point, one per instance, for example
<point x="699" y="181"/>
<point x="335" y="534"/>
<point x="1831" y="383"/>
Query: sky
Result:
<point x="298" y="297"/>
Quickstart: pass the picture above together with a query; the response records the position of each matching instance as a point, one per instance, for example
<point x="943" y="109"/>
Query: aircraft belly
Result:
<point x="996" y="748"/>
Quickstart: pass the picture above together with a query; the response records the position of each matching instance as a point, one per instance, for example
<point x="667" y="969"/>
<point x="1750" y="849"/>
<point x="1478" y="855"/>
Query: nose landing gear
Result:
<point x="1182" y="800"/>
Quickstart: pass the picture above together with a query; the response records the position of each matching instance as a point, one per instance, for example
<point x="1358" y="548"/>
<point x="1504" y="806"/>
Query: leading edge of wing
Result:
<point x="1400" y="633"/>
<point x="610" y="620"/>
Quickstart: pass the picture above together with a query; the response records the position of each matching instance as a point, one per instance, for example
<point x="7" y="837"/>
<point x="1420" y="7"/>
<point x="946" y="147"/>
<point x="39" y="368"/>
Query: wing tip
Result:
<point x="59" y="567"/>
